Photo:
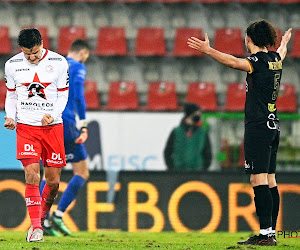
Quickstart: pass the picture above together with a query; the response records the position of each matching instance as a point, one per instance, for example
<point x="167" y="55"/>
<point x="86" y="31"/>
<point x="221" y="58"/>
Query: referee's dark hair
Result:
<point x="78" y="45"/>
<point x="262" y="33"/>
<point x="28" y="38"/>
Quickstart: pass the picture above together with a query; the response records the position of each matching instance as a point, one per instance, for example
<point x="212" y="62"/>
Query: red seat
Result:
<point x="3" y="90"/>
<point x="5" y="47"/>
<point x="254" y="1"/>
<point x="162" y="96"/>
<point x="295" y="49"/>
<point x="214" y="1"/>
<point x="287" y="1"/>
<point x="203" y="94"/>
<point x="67" y="35"/>
<point x="150" y="42"/>
<point x="229" y="40"/>
<point x="180" y="47"/>
<point x="111" y="42"/>
<point x="235" y="97"/>
<point x="287" y="99"/>
<point x="91" y="95"/>
<point x="122" y="96"/>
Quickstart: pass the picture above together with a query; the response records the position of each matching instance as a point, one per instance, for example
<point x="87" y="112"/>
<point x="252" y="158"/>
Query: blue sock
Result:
<point x="42" y="185"/>
<point x="75" y="184"/>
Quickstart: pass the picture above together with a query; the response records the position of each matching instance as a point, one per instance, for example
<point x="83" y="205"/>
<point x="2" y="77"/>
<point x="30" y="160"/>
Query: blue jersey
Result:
<point x="76" y="102"/>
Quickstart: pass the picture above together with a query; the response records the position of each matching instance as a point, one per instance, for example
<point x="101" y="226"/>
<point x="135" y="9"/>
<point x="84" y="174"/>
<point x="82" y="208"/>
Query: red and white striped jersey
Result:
<point x="37" y="86"/>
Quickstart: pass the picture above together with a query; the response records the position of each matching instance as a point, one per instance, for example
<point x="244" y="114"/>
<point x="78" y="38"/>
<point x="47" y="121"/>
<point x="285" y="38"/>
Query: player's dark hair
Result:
<point x="262" y="33"/>
<point x="28" y="38"/>
<point x="78" y="45"/>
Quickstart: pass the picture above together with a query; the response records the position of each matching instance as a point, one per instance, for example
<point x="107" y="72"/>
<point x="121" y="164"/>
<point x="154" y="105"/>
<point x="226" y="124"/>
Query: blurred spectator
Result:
<point x="188" y="145"/>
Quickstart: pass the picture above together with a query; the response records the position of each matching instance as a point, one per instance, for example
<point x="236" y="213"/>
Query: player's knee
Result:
<point x="32" y="178"/>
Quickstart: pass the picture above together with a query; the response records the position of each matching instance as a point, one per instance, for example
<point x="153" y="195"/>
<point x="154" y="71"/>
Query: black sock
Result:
<point x="263" y="204"/>
<point x="276" y="201"/>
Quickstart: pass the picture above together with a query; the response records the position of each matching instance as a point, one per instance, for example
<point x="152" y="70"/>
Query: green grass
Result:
<point x="141" y="240"/>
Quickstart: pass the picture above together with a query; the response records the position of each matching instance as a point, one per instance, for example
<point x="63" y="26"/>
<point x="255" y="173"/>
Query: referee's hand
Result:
<point x="9" y="123"/>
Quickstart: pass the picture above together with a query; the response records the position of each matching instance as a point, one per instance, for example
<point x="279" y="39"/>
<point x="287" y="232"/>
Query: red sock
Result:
<point x="33" y="203"/>
<point x="48" y="197"/>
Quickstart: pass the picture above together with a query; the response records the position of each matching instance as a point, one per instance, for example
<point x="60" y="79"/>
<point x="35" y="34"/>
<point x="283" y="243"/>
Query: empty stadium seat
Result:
<point x="67" y="35"/>
<point x="295" y="48"/>
<point x="214" y="1"/>
<point x="180" y="46"/>
<point x="287" y="100"/>
<point x="91" y="95"/>
<point x="235" y="97"/>
<point x="2" y="94"/>
<point x="5" y="47"/>
<point x="111" y="42"/>
<point x="150" y="42"/>
<point x="203" y="94"/>
<point x="122" y="95"/>
<point x="229" y="40"/>
<point x="162" y="96"/>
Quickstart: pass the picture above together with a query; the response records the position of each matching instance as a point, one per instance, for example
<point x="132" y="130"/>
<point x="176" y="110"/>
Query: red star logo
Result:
<point x="36" y="87"/>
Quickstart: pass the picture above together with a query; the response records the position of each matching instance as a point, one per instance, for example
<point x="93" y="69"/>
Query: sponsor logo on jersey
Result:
<point x="271" y="107"/>
<point x="277" y="65"/>
<point x="253" y="58"/>
<point x="36" y="87"/>
<point x="55" y="59"/>
<point x="18" y="70"/>
<point x="16" y="60"/>
<point x="55" y="159"/>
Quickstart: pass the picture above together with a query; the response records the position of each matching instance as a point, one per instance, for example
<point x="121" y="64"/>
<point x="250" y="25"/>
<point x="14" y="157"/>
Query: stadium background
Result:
<point x="151" y="73"/>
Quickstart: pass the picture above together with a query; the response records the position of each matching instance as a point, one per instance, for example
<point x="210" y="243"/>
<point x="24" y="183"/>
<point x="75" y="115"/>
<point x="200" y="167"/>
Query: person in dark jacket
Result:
<point x="188" y="146"/>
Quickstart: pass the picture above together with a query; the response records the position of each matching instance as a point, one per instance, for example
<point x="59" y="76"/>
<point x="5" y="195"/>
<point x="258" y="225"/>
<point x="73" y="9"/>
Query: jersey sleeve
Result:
<point x="9" y="81"/>
<point x="254" y="63"/>
<point x="79" y="78"/>
<point x="63" y="79"/>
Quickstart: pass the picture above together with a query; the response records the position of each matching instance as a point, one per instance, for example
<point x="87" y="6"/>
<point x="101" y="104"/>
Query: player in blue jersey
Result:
<point x="74" y="138"/>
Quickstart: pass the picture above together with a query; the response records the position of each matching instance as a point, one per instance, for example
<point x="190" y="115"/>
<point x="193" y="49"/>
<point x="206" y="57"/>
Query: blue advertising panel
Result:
<point x="8" y="147"/>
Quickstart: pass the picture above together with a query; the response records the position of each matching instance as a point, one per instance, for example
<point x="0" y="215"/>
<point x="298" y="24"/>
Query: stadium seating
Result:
<point x="287" y="100"/>
<point x="162" y="96"/>
<point x="111" y="42"/>
<point x="203" y="94"/>
<point x="67" y="35"/>
<point x="181" y="38"/>
<point x="122" y="95"/>
<point x="5" y="47"/>
<point x="295" y="48"/>
<point x="91" y="95"/>
<point x="229" y="40"/>
<point x="2" y="94"/>
<point x="235" y="97"/>
<point x="150" y="42"/>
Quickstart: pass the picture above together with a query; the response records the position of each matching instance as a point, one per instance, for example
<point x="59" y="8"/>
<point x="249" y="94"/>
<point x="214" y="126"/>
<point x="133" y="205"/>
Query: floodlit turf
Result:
<point x="125" y="240"/>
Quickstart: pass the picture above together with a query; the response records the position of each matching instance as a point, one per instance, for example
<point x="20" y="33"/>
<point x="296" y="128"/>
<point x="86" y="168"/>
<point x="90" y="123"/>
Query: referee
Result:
<point x="264" y="69"/>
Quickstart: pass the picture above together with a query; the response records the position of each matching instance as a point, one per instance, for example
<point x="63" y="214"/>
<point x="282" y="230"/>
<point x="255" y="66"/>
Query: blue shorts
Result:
<point x="74" y="152"/>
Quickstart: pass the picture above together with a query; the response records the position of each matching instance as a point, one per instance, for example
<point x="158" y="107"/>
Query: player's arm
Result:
<point x="282" y="50"/>
<point x="80" y="103"/>
<point x="62" y="95"/>
<point x="10" y="100"/>
<point x="225" y="59"/>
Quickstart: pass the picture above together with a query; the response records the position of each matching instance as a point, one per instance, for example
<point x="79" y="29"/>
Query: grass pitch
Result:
<point x="141" y="240"/>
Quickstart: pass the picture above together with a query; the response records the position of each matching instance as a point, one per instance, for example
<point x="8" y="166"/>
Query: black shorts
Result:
<point x="261" y="145"/>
